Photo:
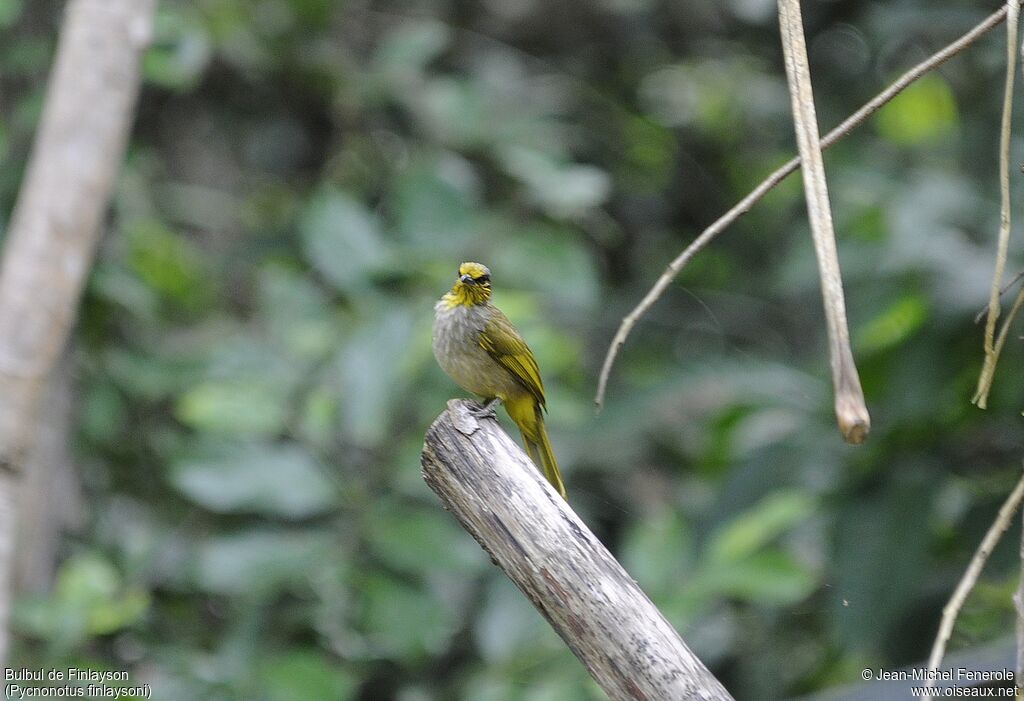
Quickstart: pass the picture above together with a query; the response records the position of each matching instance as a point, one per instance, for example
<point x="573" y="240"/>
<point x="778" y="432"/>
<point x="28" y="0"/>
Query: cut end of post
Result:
<point x="464" y="419"/>
<point x="855" y="433"/>
<point x="853" y="419"/>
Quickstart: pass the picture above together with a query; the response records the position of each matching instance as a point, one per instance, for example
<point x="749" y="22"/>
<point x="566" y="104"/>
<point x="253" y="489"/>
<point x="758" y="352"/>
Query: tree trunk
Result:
<point x="49" y="499"/>
<point x="53" y="232"/>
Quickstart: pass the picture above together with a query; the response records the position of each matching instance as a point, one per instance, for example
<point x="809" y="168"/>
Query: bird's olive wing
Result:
<point x="503" y="343"/>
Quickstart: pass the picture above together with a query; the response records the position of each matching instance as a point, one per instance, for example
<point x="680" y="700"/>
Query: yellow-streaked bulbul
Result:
<point x="480" y="349"/>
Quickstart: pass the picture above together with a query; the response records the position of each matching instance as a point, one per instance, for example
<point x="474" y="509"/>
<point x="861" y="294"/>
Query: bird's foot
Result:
<point x="486" y="410"/>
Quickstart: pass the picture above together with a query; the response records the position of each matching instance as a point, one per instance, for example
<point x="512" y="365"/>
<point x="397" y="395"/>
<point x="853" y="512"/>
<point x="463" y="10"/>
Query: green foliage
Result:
<point x="304" y="674"/>
<point x="924" y="113"/>
<point x="10" y="11"/>
<point x="278" y="480"/>
<point x="89" y="599"/>
<point x="749" y="532"/>
<point x="168" y="264"/>
<point x="181" y="49"/>
<point x="231" y="406"/>
<point x="257" y="562"/>
<point x="341" y="240"/>
<point x="893" y="325"/>
<point x="254" y="376"/>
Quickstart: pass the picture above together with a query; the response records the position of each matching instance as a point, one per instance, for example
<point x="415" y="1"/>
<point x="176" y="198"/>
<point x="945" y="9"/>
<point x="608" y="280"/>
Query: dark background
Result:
<point x="252" y="369"/>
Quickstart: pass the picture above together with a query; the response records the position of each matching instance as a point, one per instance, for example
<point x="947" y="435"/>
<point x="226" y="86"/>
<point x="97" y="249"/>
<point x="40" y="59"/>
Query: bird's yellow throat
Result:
<point x="472" y="286"/>
<point x="467" y="294"/>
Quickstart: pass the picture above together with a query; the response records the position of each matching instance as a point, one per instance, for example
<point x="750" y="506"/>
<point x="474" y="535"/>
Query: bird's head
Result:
<point x="473" y="284"/>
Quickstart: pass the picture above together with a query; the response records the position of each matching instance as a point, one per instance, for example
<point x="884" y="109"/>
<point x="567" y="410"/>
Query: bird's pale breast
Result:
<point x="458" y="352"/>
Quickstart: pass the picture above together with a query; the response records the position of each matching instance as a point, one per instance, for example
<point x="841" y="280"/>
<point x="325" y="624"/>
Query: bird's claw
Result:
<point x="486" y="410"/>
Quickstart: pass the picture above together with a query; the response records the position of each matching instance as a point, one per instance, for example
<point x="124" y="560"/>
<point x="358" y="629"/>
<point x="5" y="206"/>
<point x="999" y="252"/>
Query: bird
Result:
<point x="479" y="348"/>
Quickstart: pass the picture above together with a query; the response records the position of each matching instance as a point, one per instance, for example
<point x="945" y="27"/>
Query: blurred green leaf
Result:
<point x="762" y="428"/>
<point x="370" y="373"/>
<point x="718" y="94"/>
<point x="88" y="599"/>
<point x="341" y="240"/>
<point x="548" y="262"/>
<point x="871" y="607"/>
<point x="314" y="12"/>
<point x="565" y="191"/>
<point x="434" y="200"/>
<point x="418" y="540"/>
<point x="651" y="153"/>
<point x="304" y="674"/>
<point x="258" y="562"/>
<point x="407" y="50"/>
<point x="454" y="111"/>
<point x="125" y="289"/>
<point x="771" y="577"/>
<point x="296" y="312"/>
<point x="893" y="325"/>
<point x="923" y="113"/>
<point x="658" y="550"/>
<point x="508" y="627"/>
<point x="145" y="376"/>
<point x="400" y="619"/>
<point x="169" y="263"/>
<point x="319" y="416"/>
<point x="181" y="48"/>
<point x="567" y="683"/>
<point x="10" y="11"/>
<point x="103" y="413"/>
<point x="93" y="587"/>
<point x="232" y="407"/>
<point x="276" y="480"/>
<point x="754" y="529"/>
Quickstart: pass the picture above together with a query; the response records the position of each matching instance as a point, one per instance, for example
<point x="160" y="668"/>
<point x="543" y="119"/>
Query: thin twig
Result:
<point x="1005" y="329"/>
<point x="1013" y="281"/>
<point x="991" y="354"/>
<point x="851" y="411"/>
<point x="777" y="176"/>
<point x="970" y="577"/>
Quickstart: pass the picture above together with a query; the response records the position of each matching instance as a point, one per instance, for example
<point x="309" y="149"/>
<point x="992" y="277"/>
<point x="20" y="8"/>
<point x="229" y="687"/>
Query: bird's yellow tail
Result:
<point x="527" y="416"/>
<point x="542" y="455"/>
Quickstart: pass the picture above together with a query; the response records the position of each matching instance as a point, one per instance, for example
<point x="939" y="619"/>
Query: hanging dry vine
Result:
<point x="993" y="347"/>
<point x="777" y="176"/>
<point x="851" y="411"/>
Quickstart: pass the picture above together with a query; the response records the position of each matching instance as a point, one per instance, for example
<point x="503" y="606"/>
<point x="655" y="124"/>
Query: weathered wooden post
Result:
<point x="492" y="488"/>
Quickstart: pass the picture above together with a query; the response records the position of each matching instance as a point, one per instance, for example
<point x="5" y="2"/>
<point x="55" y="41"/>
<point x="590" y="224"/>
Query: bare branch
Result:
<point x="777" y="176"/>
<point x="496" y="493"/>
<point x="1004" y="331"/>
<point x="991" y="354"/>
<point x="970" y="577"/>
<point x="1013" y="281"/>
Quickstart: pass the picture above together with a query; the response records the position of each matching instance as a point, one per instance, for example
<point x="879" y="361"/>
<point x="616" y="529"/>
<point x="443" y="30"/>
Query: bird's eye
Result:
<point x="482" y="279"/>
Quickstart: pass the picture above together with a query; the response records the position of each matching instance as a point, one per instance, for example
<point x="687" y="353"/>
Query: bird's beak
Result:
<point x="468" y="279"/>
